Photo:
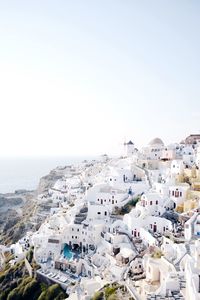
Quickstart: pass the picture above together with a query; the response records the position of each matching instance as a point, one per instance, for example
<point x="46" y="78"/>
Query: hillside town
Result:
<point x="133" y="221"/>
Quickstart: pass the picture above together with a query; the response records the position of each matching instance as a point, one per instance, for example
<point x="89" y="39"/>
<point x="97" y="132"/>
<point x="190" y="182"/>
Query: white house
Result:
<point x="152" y="202"/>
<point x="107" y="195"/>
<point x="192" y="227"/>
<point x="197" y="159"/>
<point x="177" y="166"/>
<point x="188" y="156"/>
<point x="135" y="222"/>
<point x="154" y="150"/>
<point x="168" y="153"/>
<point x="162" y="272"/>
<point x="192" y="271"/>
<point x="178" y="193"/>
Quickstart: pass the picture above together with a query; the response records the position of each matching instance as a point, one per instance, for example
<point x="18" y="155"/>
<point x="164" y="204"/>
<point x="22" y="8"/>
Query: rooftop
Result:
<point x="156" y="141"/>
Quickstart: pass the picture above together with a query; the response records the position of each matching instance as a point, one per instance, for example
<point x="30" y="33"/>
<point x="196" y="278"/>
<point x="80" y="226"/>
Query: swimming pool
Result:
<point x="67" y="252"/>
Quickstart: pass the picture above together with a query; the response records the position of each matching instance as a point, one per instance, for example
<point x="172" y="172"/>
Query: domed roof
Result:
<point x="156" y="141"/>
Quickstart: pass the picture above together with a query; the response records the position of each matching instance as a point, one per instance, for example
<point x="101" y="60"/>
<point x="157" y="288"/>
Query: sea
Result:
<point x="25" y="173"/>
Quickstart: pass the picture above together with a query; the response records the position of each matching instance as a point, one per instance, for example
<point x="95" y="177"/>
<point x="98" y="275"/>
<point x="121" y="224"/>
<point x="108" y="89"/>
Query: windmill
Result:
<point x="128" y="148"/>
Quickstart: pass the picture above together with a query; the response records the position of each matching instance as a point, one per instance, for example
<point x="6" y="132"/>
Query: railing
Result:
<point x="132" y="290"/>
<point x="130" y="238"/>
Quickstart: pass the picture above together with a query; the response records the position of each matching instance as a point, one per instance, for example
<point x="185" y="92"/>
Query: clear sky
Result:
<point x="79" y="77"/>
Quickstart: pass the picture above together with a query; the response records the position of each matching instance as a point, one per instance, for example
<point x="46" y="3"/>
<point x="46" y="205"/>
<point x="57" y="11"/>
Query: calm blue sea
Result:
<point x="25" y="173"/>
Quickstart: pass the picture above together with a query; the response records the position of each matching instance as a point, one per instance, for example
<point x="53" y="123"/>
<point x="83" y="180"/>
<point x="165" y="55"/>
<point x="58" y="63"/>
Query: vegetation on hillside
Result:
<point x="127" y="207"/>
<point x="16" y="284"/>
<point x="111" y="292"/>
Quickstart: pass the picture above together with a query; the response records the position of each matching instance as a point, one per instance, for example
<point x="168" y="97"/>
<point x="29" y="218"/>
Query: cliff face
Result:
<point x="17" y="209"/>
<point x="47" y="181"/>
<point x="15" y="213"/>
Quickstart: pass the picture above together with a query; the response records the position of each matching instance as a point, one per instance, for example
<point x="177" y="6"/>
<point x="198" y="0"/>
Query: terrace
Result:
<point x="81" y="216"/>
<point x="63" y="278"/>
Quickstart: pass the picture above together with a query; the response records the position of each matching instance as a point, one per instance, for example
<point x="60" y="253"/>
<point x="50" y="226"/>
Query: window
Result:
<point x="116" y="201"/>
<point x="151" y="202"/>
<point x="180" y="194"/>
<point x="104" y="200"/>
<point x="78" y="229"/>
<point x="72" y="236"/>
<point x="98" y="213"/>
<point x="112" y="201"/>
<point x="105" y="213"/>
<point x="156" y="202"/>
<point x="172" y="193"/>
<point x="177" y="194"/>
<point x="72" y="229"/>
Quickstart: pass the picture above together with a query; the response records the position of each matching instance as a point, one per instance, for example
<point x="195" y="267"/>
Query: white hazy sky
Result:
<point x="78" y="77"/>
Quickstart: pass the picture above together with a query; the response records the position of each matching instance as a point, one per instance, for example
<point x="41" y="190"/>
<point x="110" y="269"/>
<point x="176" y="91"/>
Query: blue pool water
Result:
<point x="67" y="252"/>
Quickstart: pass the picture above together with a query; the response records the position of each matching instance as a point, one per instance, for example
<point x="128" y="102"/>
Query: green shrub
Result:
<point x="14" y="295"/>
<point x="53" y="292"/>
<point x="109" y="291"/>
<point x="2" y="277"/>
<point x="29" y="256"/>
<point x="128" y="206"/>
<point x="42" y="295"/>
<point x="4" y="294"/>
<point x="32" y="290"/>
<point x="18" y="292"/>
<point x="98" y="296"/>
